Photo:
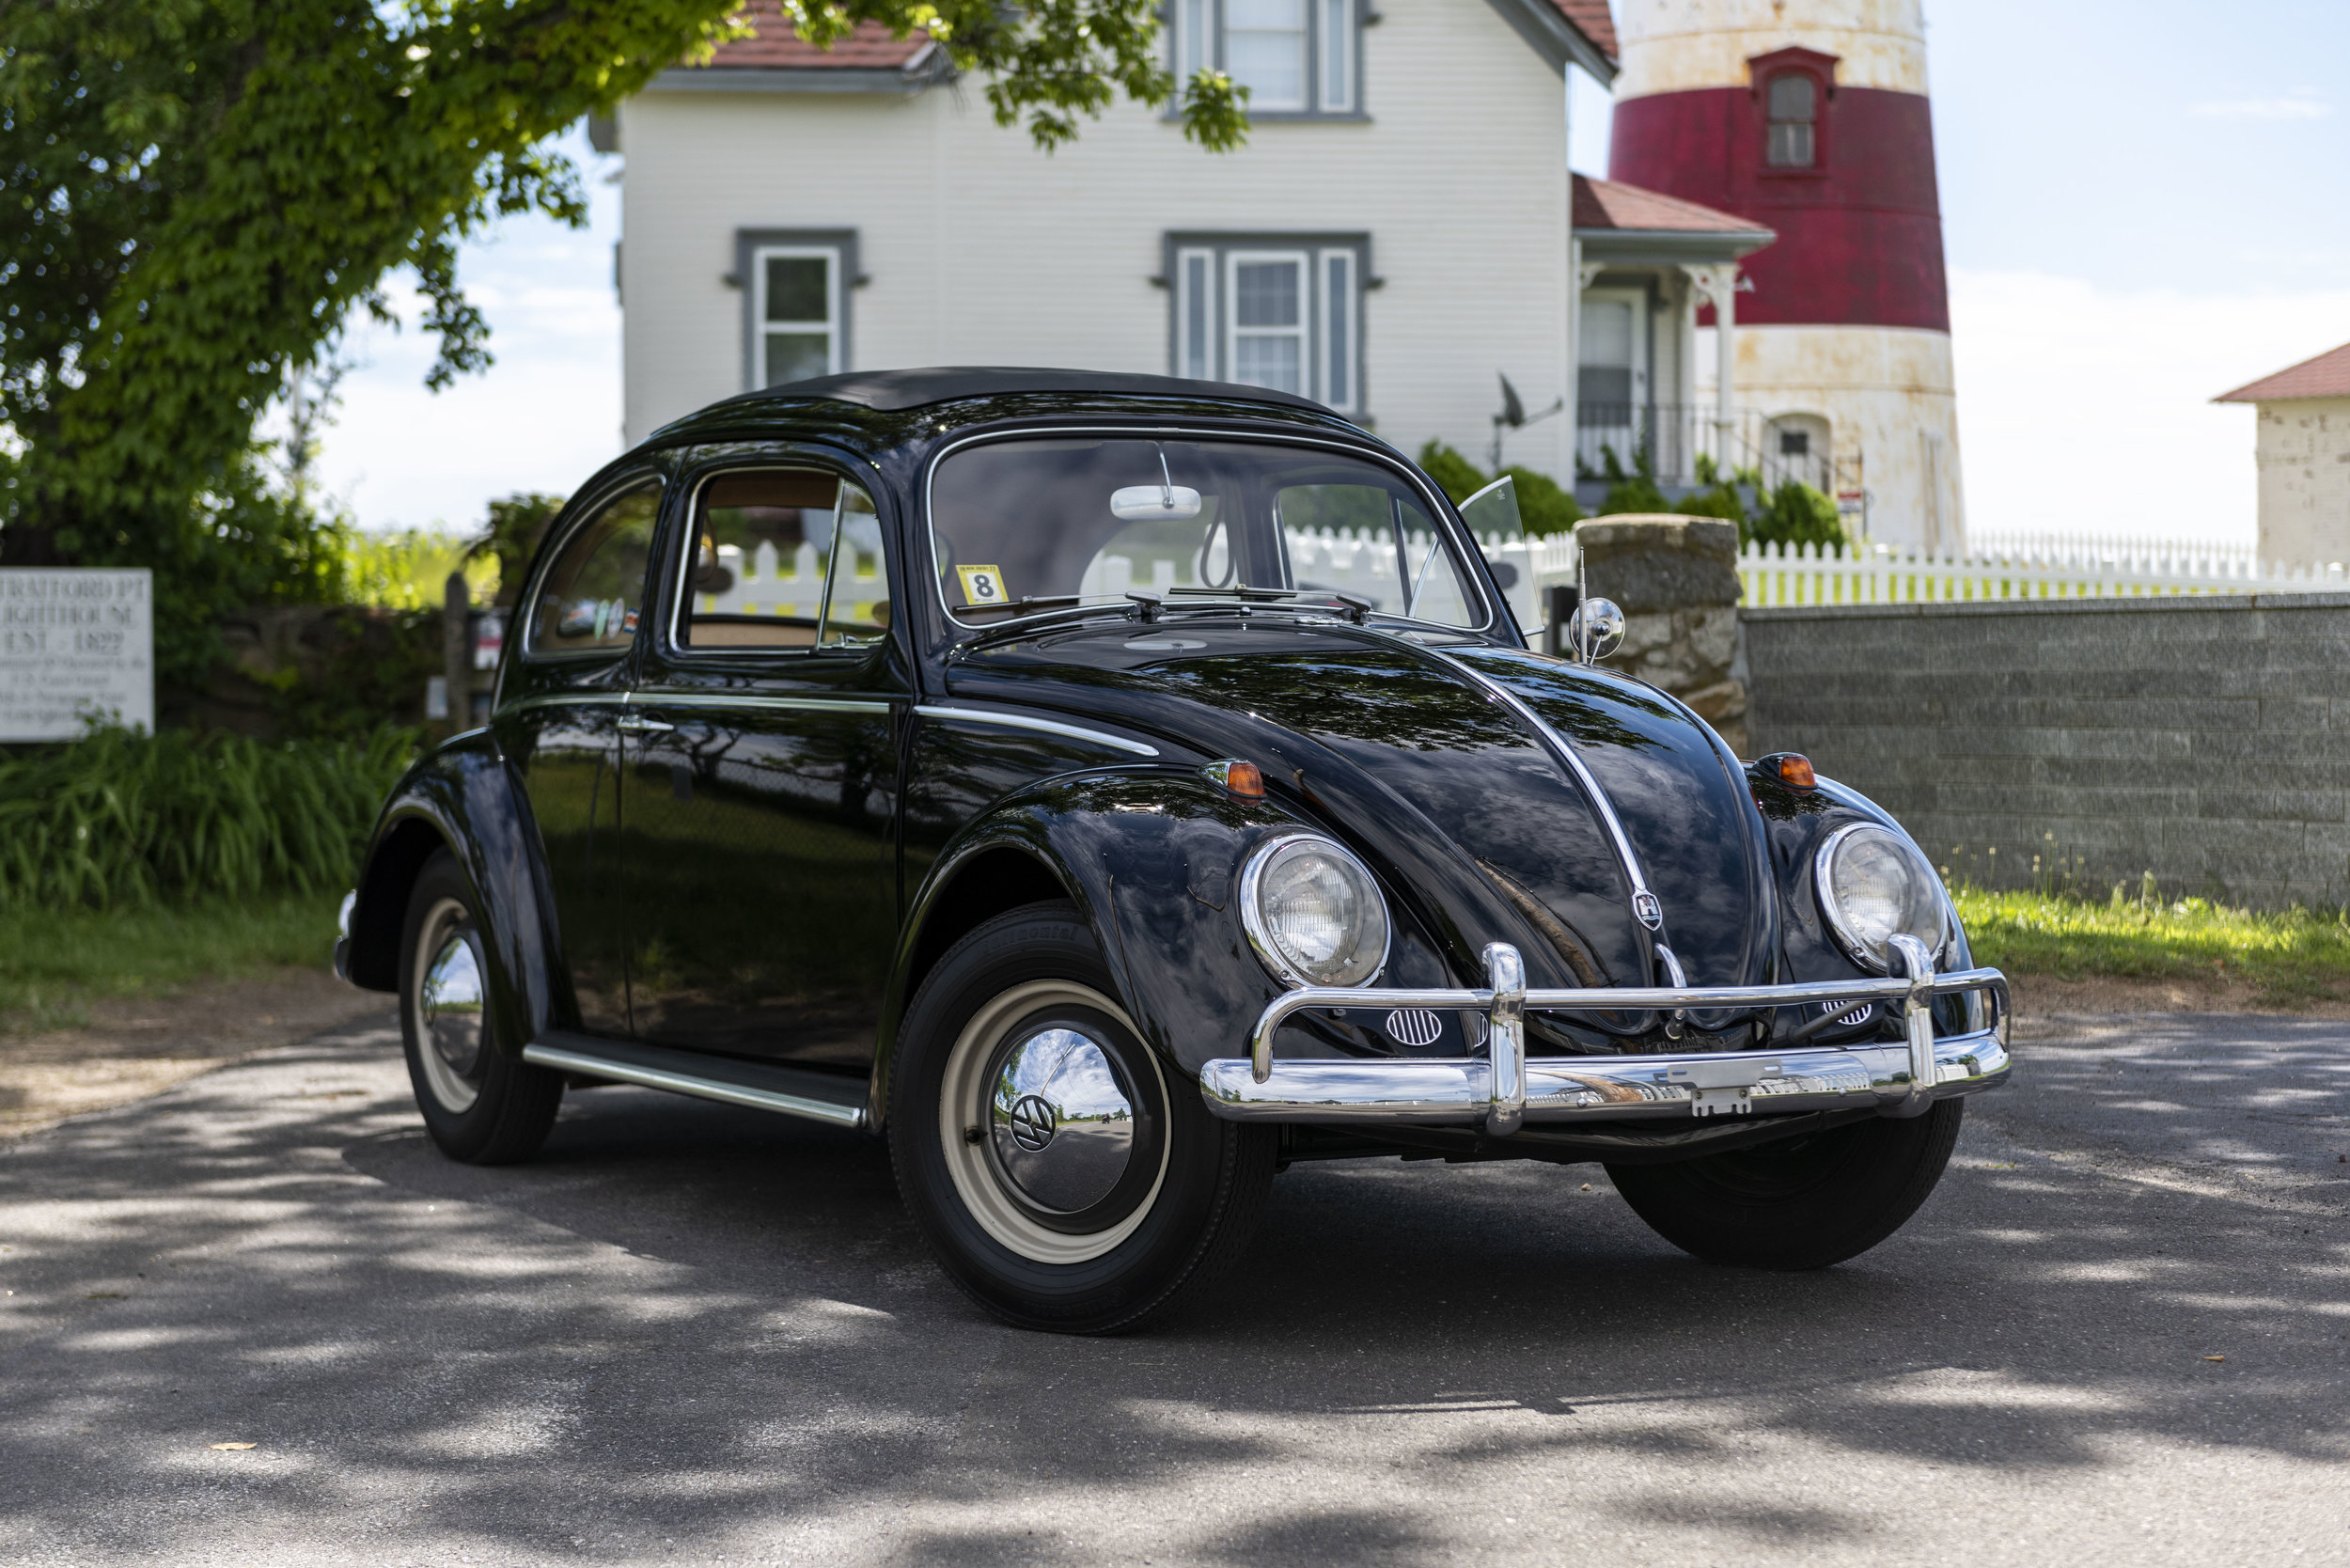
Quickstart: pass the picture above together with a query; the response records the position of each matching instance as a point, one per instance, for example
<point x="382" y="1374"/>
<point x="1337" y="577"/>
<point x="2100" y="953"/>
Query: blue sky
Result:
<point x="2143" y="205"/>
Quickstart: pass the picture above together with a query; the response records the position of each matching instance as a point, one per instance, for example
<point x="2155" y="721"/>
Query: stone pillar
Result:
<point x="1676" y="579"/>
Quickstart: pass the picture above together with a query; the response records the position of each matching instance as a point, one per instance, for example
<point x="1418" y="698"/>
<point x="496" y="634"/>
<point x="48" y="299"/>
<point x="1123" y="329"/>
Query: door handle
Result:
<point x="632" y="726"/>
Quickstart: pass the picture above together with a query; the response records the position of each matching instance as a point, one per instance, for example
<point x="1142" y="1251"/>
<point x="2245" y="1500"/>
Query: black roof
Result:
<point x="894" y="391"/>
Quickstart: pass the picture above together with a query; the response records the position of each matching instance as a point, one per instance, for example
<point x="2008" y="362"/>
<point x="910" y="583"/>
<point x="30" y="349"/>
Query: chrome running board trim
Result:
<point x="852" y="1116"/>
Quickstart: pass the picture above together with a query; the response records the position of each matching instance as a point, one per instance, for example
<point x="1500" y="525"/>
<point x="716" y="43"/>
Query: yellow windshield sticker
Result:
<point x="982" y="585"/>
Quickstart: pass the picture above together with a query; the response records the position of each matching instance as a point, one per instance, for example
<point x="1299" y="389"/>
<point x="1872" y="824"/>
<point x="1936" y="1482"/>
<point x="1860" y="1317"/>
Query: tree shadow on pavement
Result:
<point x="690" y="1328"/>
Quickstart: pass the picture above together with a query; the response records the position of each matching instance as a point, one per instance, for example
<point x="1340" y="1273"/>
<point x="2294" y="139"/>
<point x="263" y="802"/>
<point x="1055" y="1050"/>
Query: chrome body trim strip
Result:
<point x="612" y="697"/>
<point x="1503" y="1088"/>
<point x="1646" y="907"/>
<point x="1049" y="727"/>
<point x="852" y="1116"/>
<point x="757" y="700"/>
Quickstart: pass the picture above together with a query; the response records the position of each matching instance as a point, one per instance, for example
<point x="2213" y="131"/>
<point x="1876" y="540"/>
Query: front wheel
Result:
<point x="1802" y="1203"/>
<point x="1066" y="1179"/>
<point x="483" y="1104"/>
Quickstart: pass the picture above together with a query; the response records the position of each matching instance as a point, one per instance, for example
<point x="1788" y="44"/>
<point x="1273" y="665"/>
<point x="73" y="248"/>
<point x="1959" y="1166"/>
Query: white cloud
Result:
<point x="2296" y="106"/>
<point x="2084" y="409"/>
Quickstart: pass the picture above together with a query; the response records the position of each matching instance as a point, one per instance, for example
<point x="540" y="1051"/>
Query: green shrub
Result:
<point x="1544" y="506"/>
<point x="1798" y="514"/>
<point x="1455" y="474"/>
<point x="1636" y="492"/>
<point x="125" y="819"/>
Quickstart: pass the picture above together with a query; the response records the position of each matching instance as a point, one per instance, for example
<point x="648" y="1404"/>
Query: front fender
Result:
<point x="1798" y="821"/>
<point x="1151" y="858"/>
<point x="464" y="797"/>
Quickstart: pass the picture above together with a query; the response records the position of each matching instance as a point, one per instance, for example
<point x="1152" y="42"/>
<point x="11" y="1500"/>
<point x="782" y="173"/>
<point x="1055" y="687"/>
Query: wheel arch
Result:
<point x="1148" y="859"/>
<point x="464" y="799"/>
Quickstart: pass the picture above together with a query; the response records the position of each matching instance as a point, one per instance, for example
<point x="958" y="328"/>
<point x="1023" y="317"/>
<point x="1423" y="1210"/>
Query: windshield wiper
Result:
<point x="1329" y="601"/>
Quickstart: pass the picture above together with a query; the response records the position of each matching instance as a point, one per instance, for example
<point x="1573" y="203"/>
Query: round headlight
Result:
<point x="1313" y="912"/>
<point x="1873" y="887"/>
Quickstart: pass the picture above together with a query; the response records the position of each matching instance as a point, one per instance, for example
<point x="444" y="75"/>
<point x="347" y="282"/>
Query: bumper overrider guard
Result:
<point x="1502" y="1090"/>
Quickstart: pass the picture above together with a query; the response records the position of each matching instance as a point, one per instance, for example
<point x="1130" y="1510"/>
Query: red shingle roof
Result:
<point x="1607" y="204"/>
<point x="2326" y="376"/>
<point x="870" y="47"/>
<point x="777" y="48"/>
<point x="1592" y="19"/>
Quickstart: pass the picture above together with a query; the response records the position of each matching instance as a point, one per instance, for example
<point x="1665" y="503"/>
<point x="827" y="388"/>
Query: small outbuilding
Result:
<point x="2302" y="445"/>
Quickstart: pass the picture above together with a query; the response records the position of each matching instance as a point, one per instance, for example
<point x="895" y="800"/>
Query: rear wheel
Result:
<point x="1803" y="1203"/>
<point x="483" y="1105"/>
<point x="1064" y="1176"/>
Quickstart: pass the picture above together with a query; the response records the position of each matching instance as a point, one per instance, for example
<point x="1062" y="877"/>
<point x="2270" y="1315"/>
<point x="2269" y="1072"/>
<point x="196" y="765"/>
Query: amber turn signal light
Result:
<point x="1239" y="778"/>
<point x="1793" y="769"/>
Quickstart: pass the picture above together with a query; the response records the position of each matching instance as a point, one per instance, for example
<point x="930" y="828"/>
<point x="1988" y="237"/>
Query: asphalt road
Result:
<point x="688" y="1333"/>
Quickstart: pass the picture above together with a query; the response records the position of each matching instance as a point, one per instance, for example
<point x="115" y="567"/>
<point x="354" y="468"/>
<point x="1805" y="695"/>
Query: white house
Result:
<point x="1401" y="230"/>
<point x="2302" y="445"/>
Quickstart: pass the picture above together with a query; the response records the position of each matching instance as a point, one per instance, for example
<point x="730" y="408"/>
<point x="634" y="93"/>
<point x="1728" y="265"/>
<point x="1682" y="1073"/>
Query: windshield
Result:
<point x="1023" y="525"/>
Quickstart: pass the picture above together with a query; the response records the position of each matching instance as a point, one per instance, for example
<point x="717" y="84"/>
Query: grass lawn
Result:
<point x="2298" y="956"/>
<point x="53" y="961"/>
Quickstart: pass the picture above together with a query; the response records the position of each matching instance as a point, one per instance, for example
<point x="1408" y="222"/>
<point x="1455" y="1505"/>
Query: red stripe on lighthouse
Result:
<point x="1859" y="236"/>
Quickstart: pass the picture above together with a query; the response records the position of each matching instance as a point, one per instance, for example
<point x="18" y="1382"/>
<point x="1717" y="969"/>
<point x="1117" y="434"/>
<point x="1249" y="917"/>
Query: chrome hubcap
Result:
<point x="1061" y="1128"/>
<point x="450" y="1005"/>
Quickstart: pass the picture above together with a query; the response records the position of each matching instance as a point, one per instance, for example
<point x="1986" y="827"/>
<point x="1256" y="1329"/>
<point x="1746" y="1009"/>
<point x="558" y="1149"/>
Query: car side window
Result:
<point x="761" y="541"/>
<point x="784" y="558"/>
<point x="589" y="598"/>
<point x="856" y="590"/>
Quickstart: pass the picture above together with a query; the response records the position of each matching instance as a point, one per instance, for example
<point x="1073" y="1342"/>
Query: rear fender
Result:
<point x="464" y="799"/>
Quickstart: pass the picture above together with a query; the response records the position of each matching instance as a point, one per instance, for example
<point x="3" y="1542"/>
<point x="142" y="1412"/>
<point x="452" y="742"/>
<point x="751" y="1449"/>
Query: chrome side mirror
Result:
<point x="1596" y="631"/>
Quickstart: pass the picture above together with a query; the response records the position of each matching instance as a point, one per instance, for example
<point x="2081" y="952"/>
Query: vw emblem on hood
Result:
<point x="1033" y="1122"/>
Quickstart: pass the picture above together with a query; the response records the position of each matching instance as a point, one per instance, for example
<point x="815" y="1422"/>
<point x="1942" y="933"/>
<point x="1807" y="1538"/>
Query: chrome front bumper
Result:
<point x="1503" y="1090"/>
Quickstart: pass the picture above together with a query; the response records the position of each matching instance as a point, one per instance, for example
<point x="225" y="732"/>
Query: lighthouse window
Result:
<point x="1795" y="110"/>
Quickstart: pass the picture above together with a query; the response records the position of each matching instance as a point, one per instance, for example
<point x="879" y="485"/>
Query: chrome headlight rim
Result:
<point x="1252" y="918"/>
<point x="1832" y="913"/>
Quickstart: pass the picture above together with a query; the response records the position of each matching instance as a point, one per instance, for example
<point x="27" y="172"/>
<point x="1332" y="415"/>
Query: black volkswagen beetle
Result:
<point x="1112" y="789"/>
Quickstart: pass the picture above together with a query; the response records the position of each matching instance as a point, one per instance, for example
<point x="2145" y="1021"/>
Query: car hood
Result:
<point x="1451" y="794"/>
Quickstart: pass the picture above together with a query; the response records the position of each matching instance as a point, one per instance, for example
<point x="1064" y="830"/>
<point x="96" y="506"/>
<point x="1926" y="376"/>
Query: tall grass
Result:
<point x="124" y="819"/>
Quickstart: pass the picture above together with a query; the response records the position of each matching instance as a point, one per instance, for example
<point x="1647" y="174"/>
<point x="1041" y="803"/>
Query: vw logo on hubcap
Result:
<point x="1033" y="1123"/>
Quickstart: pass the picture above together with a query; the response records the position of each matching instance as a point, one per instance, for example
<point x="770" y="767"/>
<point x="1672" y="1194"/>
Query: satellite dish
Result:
<point x="1513" y="410"/>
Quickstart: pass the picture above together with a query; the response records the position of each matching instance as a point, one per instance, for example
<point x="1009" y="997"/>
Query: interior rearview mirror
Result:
<point x="1155" y="502"/>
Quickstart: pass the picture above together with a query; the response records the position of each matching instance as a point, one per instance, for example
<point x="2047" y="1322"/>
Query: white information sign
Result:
<point x="74" y="643"/>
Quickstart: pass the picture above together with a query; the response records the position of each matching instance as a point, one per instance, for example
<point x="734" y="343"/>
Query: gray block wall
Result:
<point x="2204" y="739"/>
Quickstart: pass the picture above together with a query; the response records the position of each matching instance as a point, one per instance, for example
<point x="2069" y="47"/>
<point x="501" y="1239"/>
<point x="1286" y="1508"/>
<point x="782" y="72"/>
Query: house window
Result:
<point x="1279" y="311"/>
<point x="1299" y="58"/>
<point x="796" y="287"/>
<point x="1795" y="113"/>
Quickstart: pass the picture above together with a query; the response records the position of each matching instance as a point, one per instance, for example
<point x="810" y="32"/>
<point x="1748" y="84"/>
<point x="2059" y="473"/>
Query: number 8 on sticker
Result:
<point x="981" y="584"/>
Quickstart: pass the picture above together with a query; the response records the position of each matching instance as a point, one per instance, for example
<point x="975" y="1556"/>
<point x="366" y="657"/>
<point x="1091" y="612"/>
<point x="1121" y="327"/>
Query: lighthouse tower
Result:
<point x="1810" y="116"/>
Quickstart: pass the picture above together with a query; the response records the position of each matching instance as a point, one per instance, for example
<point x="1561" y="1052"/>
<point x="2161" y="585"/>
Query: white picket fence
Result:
<point x="2041" y="569"/>
<point x="2065" y="567"/>
<point x="1364" y="565"/>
